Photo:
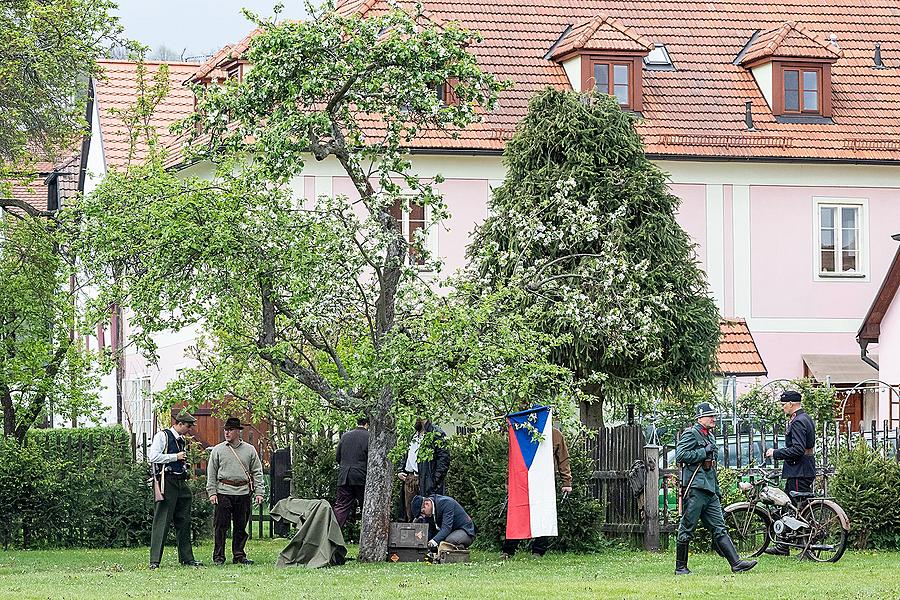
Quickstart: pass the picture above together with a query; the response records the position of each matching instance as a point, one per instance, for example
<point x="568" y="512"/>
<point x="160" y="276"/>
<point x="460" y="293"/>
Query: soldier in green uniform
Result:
<point x="169" y="459"/>
<point x="697" y="452"/>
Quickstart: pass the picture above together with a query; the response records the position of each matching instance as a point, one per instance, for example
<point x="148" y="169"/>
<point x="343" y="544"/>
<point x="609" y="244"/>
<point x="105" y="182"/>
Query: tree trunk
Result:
<point x="592" y="409"/>
<point x="9" y="412"/>
<point x="376" y="514"/>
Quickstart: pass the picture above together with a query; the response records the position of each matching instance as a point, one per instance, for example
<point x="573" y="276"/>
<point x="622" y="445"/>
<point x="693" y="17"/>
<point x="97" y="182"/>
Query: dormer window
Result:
<point x="792" y="67"/>
<point x="802" y="90"/>
<point x="613" y="78"/>
<point x="603" y="55"/>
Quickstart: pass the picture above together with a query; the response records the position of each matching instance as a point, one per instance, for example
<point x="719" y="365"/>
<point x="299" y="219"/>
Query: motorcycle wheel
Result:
<point x="827" y="538"/>
<point x="749" y="529"/>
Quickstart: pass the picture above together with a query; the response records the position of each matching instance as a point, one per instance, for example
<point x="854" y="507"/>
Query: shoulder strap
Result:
<point x="238" y="458"/>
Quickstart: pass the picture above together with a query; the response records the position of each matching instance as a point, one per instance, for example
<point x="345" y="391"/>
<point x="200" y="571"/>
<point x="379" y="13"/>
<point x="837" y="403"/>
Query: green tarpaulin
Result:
<point x="318" y="541"/>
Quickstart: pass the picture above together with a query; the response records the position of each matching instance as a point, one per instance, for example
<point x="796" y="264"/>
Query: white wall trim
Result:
<point x="785" y="174"/>
<point x="740" y="224"/>
<point x="811" y="325"/>
<point x="324" y="185"/>
<point x="715" y="243"/>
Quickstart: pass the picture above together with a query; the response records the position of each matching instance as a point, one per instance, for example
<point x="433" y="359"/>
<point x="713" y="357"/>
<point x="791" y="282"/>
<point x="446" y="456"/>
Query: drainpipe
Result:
<point x="864" y="356"/>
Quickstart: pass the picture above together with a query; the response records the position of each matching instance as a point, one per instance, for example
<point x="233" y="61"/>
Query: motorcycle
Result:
<point x="816" y="525"/>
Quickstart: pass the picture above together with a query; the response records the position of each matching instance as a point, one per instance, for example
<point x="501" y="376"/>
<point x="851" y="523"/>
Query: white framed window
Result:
<point x="415" y="218"/>
<point x="139" y="408"/>
<point x="841" y="238"/>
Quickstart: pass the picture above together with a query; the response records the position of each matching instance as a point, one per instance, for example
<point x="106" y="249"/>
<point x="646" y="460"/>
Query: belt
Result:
<point x="233" y="482"/>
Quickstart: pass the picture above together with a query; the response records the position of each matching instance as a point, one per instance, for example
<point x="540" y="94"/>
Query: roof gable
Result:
<point x="603" y="34"/>
<point x="790" y="40"/>
<point x="118" y="89"/>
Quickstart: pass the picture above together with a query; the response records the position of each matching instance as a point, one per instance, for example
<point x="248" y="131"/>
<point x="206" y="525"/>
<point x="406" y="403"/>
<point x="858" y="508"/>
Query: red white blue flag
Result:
<point x="532" y="486"/>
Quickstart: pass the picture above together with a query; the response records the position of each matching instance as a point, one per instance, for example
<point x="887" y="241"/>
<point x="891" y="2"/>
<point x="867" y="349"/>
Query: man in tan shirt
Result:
<point x="233" y="474"/>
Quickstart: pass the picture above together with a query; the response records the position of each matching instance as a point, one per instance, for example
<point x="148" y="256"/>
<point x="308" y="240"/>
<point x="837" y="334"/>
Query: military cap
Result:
<point x="791" y="396"/>
<point x="705" y="409"/>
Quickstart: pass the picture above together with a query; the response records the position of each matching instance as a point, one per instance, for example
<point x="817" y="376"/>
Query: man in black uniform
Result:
<point x="697" y="452"/>
<point x="798" y="454"/>
<point x="352" y="456"/>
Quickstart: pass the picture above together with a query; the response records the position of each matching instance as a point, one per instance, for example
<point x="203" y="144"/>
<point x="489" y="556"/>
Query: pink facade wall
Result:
<point x="692" y="215"/>
<point x="888" y="351"/>
<point x="782" y="253"/>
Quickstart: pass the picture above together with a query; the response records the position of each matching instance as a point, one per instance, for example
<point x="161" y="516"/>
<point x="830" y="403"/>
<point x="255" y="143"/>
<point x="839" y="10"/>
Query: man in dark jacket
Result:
<point x="701" y="498"/>
<point x="798" y="454"/>
<point x="352" y="456"/>
<point x="447" y="520"/>
<point x="424" y="476"/>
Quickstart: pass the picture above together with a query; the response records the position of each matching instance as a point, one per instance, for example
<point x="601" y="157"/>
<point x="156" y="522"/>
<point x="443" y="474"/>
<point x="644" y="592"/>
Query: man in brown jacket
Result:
<point x="563" y="469"/>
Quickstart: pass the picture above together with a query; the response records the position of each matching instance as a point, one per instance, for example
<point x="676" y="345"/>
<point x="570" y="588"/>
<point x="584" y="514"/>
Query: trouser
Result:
<point x="174" y="508"/>
<point x="701" y="505"/>
<point x="539" y="546"/>
<point x="231" y="512"/>
<point x="458" y="537"/>
<point x="410" y="491"/>
<point x="798" y="484"/>
<point x="346" y="500"/>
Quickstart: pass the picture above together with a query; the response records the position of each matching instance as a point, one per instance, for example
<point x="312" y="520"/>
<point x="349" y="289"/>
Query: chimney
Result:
<point x="879" y="64"/>
<point x="748" y="115"/>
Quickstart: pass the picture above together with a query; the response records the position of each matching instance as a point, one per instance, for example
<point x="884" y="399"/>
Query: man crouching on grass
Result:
<point x="447" y="520"/>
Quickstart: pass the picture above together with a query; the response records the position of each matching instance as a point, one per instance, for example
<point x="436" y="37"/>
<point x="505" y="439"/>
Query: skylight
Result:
<point x="659" y="59"/>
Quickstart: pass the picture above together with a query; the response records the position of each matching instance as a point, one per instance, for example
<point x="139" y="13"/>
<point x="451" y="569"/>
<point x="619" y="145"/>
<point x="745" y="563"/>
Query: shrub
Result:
<point x="477" y="479"/>
<point x="66" y="488"/>
<point x="866" y="485"/>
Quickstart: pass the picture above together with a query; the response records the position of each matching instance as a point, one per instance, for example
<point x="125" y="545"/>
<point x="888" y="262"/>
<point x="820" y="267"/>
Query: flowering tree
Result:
<point x="585" y="223"/>
<point x="316" y="303"/>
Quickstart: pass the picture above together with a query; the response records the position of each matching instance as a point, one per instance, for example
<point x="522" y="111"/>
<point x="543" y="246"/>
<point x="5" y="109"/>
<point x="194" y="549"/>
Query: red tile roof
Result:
<point x="118" y="90"/>
<point x="604" y="34"/>
<point x="790" y="41"/>
<point x="696" y="110"/>
<point x="737" y="353"/>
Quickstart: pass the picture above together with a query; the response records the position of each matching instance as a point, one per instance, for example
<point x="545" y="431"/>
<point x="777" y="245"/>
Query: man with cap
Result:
<point x="701" y="496"/>
<point x="234" y="473"/>
<point x="447" y="520"/>
<point x="169" y="460"/>
<point x="798" y="454"/>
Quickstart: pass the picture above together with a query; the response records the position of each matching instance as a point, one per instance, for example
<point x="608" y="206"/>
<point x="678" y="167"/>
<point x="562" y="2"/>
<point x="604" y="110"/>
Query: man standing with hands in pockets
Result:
<point x="234" y="474"/>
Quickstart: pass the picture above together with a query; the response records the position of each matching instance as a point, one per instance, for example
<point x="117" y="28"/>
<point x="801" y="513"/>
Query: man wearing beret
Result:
<point x="799" y="456"/>
<point x="169" y="460"/>
<point x="234" y="474"/>
<point x="447" y="520"/>
<point x="701" y="496"/>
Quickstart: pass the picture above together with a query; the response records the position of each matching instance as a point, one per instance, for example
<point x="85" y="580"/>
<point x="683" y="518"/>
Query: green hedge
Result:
<point x="477" y="479"/>
<point x="66" y="488"/>
<point x="867" y="486"/>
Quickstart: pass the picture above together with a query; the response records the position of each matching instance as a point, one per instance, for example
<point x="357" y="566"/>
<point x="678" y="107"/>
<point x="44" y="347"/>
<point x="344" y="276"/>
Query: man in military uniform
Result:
<point x="798" y="454"/>
<point x="168" y="457"/>
<point x="701" y="498"/>
<point x="233" y="474"/>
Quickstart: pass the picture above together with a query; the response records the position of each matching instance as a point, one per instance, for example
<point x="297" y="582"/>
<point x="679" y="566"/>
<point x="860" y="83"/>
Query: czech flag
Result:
<point x="531" y="510"/>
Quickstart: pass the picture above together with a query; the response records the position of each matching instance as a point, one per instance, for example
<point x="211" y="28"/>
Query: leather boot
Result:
<point x="777" y="550"/>
<point x="681" y="559"/>
<point x="730" y="553"/>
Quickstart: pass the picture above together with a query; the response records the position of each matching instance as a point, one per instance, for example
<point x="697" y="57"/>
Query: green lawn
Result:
<point x="611" y="574"/>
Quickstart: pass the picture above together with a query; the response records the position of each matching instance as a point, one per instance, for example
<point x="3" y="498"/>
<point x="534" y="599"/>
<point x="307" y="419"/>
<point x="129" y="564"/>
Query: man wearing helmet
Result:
<point x="697" y="452"/>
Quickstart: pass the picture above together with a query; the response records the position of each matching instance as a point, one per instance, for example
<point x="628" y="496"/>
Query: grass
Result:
<point x="123" y="573"/>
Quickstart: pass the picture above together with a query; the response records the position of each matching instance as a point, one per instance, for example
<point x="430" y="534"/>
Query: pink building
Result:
<point x="777" y="123"/>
